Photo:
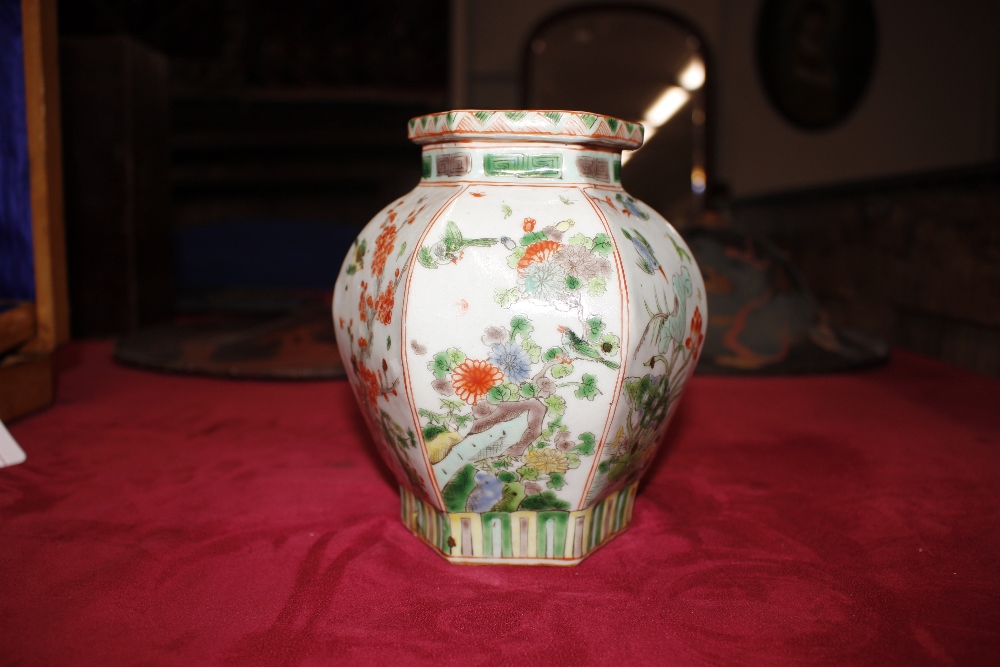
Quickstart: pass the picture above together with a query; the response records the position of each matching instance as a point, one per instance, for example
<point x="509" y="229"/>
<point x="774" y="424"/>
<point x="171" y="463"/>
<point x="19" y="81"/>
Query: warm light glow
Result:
<point x="693" y="76"/>
<point x="665" y="106"/>
<point x="698" y="180"/>
<point x="663" y="109"/>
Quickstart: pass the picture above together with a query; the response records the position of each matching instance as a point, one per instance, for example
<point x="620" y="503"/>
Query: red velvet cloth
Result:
<point x="847" y="519"/>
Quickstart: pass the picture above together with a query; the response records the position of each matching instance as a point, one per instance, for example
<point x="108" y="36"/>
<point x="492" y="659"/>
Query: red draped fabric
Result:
<point x="163" y="520"/>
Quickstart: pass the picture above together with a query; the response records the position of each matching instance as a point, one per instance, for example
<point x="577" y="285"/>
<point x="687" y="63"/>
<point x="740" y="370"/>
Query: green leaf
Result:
<point x="502" y="462"/>
<point x="426" y="259"/>
<point x="588" y="388"/>
<point x="506" y="211"/>
<point x="541" y="445"/>
<point x="432" y="431"/>
<point x="552" y="353"/>
<point x="498" y="394"/>
<point x="506" y="298"/>
<point x="603" y="466"/>
<point x="581" y="240"/>
<point x="533" y="237"/>
<point x="573" y="460"/>
<point x="603" y="245"/>
<point x="513" y="389"/>
<point x="556" y="405"/>
<point x="528" y="473"/>
<point x="451" y="405"/>
<point x="587" y="444"/>
<point x="462" y="420"/>
<point x="401" y="249"/>
<point x="521" y="326"/>
<point x="597" y="287"/>
<point x="564" y="200"/>
<point x="452" y="237"/>
<point x="632" y="386"/>
<point x="351" y="269"/>
<point x="529" y="390"/>
<point x="440" y="366"/>
<point x="388" y="342"/>
<point x="572" y="282"/>
<point x="556" y="481"/>
<point x="560" y="371"/>
<point x="507" y="477"/>
<point x="455" y="356"/>
<point x="533" y="350"/>
<point x="595" y="327"/>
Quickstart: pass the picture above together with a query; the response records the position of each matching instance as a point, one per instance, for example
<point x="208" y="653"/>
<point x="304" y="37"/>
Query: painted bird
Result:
<point x="450" y="248"/>
<point x="577" y="348"/>
<point x="647" y="261"/>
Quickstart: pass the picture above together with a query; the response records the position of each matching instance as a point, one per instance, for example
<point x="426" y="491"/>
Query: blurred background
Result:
<point x="220" y="155"/>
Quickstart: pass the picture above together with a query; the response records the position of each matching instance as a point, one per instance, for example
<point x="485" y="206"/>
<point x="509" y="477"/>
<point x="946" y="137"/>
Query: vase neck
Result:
<point x="537" y="163"/>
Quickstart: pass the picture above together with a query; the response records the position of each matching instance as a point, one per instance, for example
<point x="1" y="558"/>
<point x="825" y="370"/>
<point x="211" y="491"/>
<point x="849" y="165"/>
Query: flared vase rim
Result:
<point x="558" y="126"/>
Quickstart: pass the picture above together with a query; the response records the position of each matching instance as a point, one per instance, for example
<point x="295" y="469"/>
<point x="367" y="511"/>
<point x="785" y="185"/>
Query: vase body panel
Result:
<point x="518" y="331"/>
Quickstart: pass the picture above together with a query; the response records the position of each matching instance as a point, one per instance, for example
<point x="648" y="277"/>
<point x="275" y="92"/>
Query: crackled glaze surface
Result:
<point x="518" y="331"/>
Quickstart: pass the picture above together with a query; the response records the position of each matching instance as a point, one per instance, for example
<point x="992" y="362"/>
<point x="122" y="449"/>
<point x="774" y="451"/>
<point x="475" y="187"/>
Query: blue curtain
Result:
<point x="17" y="271"/>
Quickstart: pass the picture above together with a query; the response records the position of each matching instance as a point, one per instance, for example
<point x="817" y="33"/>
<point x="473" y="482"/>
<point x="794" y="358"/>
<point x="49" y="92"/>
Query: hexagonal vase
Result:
<point x="518" y="331"/>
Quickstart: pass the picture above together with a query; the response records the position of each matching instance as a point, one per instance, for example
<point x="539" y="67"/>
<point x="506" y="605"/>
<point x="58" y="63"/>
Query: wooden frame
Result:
<point x="26" y="375"/>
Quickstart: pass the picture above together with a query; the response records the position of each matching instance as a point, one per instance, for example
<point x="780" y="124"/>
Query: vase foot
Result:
<point x="554" y="537"/>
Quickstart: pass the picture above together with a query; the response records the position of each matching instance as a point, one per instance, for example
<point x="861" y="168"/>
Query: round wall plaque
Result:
<point x="816" y="58"/>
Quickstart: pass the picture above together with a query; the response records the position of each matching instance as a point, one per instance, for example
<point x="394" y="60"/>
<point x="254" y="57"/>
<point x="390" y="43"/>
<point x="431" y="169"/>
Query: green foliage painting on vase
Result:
<point x="498" y="442"/>
<point x="519" y="337"/>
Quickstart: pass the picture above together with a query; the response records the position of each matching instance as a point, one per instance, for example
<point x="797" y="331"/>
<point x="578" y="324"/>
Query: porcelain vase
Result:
<point x="518" y="331"/>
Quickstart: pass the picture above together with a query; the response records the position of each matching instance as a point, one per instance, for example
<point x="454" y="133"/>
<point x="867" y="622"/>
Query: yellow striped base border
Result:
<point x="518" y="538"/>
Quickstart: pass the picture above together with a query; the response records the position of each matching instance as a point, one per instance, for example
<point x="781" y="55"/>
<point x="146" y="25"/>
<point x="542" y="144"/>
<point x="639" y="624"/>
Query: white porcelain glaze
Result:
<point x="518" y="331"/>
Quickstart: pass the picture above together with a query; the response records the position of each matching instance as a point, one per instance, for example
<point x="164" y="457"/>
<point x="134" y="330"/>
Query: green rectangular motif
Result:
<point x="506" y="548"/>
<point x="559" y="521"/>
<point x="425" y="166"/>
<point x="618" y="171"/>
<point x="523" y="166"/>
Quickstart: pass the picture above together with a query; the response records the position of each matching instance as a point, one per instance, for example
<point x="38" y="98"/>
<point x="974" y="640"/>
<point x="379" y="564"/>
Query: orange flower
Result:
<point x="383" y="306"/>
<point x="537" y="252"/>
<point x="384" y="245"/>
<point x="529" y="225"/>
<point x="696" y="338"/>
<point x="370" y="384"/>
<point x="473" y="378"/>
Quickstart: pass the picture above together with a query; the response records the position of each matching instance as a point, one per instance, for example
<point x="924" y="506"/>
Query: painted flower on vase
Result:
<point x="544" y="281"/>
<point x="383" y="306"/>
<point x="473" y="378"/>
<point x="578" y="261"/>
<point x="384" y="245"/>
<point x="547" y="460"/>
<point x="512" y="360"/>
<point x="695" y="340"/>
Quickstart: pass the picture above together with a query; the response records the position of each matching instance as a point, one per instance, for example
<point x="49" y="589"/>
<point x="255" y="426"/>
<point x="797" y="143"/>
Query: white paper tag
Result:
<point x="10" y="453"/>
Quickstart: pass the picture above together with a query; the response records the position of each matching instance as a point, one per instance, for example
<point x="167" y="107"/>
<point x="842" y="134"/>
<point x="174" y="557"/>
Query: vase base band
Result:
<point x="547" y="537"/>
